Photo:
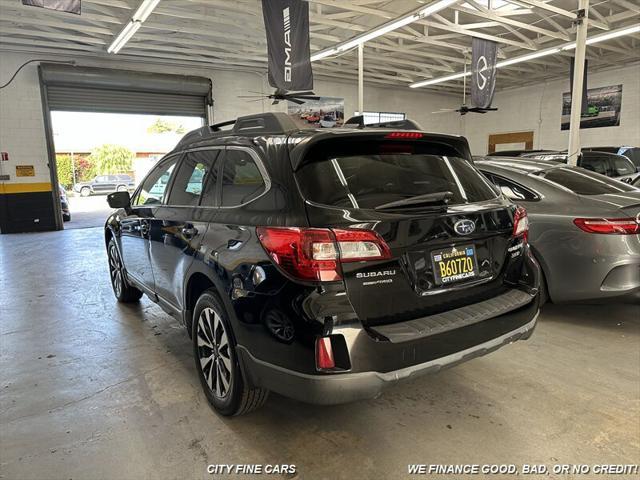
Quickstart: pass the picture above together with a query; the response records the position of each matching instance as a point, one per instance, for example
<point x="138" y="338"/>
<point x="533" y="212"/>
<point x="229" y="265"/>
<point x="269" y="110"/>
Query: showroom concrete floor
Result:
<point x="93" y="389"/>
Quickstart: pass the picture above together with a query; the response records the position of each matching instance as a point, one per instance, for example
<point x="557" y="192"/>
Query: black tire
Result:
<point x="216" y="360"/>
<point x="66" y="218"/>
<point x="85" y="191"/>
<point x="124" y="292"/>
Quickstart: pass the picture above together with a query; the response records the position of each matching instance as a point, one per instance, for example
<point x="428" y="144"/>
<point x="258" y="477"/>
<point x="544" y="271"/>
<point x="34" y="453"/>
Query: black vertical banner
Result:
<point x="484" y="54"/>
<point x="287" y="26"/>
<point x="585" y="99"/>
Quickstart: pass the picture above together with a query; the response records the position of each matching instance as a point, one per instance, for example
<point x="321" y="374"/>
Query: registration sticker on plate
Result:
<point x="454" y="264"/>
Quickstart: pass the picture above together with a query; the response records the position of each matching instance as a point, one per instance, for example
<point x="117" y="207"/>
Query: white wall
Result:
<point x="22" y="125"/>
<point x="538" y="108"/>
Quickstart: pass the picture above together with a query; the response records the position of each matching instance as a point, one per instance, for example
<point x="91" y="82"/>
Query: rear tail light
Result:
<point x="324" y="354"/>
<point x="611" y="226"/>
<point x="315" y="254"/>
<point x="521" y="224"/>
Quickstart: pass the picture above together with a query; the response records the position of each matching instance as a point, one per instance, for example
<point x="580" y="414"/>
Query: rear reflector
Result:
<point x="315" y="254"/>
<point x="404" y="135"/>
<point x="611" y="226"/>
<point x="324" y="354"/>
<point x="521" y="224"/>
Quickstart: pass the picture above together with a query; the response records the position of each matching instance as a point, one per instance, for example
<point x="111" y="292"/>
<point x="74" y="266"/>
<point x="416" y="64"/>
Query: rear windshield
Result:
<point x="366" y="175"/>
<point x="584" y="182"/>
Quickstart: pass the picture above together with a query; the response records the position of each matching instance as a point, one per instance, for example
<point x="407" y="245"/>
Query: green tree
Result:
<point x="111" y="159"/>
<point x="164" y="126"/>
<point x="65" y="170"/>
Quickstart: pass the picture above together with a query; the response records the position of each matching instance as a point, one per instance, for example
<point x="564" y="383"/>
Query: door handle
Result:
<point x="189" y="232"/>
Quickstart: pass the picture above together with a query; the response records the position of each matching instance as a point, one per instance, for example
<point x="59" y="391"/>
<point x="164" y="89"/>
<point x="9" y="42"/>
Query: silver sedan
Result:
<point x="584" y="227"/>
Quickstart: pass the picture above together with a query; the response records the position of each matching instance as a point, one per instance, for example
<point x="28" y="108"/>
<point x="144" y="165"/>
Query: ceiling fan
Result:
<point x="280" y="94"/>
<point x="464" y="108"/>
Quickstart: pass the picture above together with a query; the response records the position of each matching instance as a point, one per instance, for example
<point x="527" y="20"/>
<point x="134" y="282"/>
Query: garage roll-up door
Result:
<point x="89" y="89"/>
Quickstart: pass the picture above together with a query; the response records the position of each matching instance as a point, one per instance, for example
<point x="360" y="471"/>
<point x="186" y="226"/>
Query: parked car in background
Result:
<point x="105" y="184"/>
<point x="324" y="264"/>
<point x="64" y="204"/>
<point x="632" y="153"/>
<point x="328" y="121"/>
<point x="584" y="229"/>
<point x="609" y="164"/>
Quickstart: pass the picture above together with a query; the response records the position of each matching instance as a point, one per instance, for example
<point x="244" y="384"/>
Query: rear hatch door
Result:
<point x="449" y="234"/>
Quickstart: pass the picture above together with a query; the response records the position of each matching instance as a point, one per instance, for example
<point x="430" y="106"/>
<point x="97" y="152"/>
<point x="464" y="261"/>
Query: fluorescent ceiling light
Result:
<point x="526" y="58"/>
<point x="542" y="53"/>
<point x="136" y="21"/>
<point x="144" y="10"/>
<point x="432" y="81"/>
<point x="123" y="37"/>
<point x="422" y="12"/>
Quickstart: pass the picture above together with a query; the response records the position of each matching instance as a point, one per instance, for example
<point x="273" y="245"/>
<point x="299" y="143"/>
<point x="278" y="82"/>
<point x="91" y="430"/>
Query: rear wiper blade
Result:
<point x="436" y="197"/>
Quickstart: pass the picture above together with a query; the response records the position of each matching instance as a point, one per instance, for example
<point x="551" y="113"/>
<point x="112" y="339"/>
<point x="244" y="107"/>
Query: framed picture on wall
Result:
<point x="603" y="109"/>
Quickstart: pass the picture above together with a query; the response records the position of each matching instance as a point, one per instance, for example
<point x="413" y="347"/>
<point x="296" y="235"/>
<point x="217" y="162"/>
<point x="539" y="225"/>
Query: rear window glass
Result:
<point x="367" y="175"/>
<point x="583" y="182"/>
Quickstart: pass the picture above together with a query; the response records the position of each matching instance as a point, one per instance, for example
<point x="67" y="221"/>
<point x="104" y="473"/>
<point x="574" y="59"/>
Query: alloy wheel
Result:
<point x="115" y="270"/>
<point x="214" y="352"/>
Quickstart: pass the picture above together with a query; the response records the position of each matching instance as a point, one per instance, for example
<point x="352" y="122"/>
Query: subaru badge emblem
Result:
<point x="464" y="227"/>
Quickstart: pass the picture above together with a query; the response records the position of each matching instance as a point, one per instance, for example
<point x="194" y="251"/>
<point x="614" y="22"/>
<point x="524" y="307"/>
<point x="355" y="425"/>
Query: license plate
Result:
<point x="454" y="264"/>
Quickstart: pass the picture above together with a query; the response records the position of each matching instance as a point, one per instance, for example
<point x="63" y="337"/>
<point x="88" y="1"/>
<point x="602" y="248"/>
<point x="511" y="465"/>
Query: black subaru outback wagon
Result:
<point x="323" y="264"/>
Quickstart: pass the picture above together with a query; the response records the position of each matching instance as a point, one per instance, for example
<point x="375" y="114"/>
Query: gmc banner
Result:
<point x="287" y="25"/>
<point x="484" y="54"/>
<point x="70" y="6"/>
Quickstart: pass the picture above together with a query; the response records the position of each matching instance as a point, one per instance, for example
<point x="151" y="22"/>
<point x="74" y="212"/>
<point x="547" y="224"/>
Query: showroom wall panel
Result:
<point x="538" y="108"/>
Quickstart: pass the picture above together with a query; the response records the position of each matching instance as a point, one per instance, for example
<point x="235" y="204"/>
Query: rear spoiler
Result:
<point x="300" y="148"/>
<point x="358" y="122"/>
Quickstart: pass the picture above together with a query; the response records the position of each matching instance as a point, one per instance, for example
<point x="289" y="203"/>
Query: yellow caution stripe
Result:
<point x="7" y="188"/>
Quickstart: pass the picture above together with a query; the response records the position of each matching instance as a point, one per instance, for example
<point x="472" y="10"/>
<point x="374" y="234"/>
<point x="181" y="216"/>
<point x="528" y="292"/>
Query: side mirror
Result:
<point x="119" y="200"/>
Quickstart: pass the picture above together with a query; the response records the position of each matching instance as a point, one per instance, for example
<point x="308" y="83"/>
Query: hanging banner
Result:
<point x="585" y="100"/>
<point x="287" y="26"/>
<point x="484" y="54"/>
<point x="70" y="6"/>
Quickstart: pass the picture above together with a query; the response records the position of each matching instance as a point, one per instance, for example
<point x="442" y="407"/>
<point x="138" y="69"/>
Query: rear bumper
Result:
<point x="347" y="387"/>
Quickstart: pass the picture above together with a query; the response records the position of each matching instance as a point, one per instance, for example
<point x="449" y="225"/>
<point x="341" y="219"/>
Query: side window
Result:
<point x="101" y="179"/>
<point x="191" y="176"/>
<point x="597" y="165"/>
<point x="241" y="179"/>
<point x="513" y="190"/>
<point x="623" y="166"/>
<point x="156" y="183"/>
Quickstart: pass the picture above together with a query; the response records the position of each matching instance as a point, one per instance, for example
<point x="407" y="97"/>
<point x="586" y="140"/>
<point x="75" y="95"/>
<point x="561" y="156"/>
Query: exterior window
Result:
<point x="241" y="179"/>
<point x="584" y="182"/>
<point x="369" y="174"/>
<point x="190" y="177"/>
<point x="512" y="190"/>
<point x="154" y="186"/>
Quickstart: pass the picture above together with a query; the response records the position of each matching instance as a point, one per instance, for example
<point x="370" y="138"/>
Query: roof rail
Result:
<point x="269" y="122"/>
<point x="358" y="122"/>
